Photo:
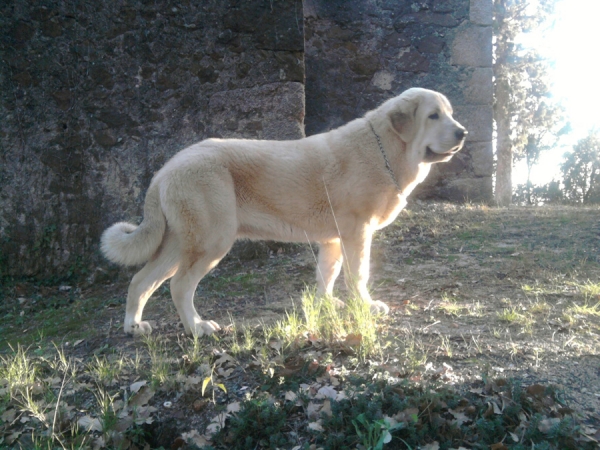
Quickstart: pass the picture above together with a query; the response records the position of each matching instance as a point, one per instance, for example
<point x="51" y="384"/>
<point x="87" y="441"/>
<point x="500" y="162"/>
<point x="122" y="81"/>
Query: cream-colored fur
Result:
<point x="332" y="188"/>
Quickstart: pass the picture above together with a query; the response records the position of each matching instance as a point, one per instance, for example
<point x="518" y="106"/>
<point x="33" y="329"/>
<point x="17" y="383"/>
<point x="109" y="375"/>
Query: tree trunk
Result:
<point x="504" y="163"/>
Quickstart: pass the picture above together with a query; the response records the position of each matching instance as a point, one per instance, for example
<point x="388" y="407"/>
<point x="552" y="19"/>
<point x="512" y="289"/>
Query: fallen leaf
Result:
<point x="225" y="372"/>
<point x="142" y="397"/>
<point x="225" y="359"/>
<point x="217" y="423"/>
<point x="233" y="407"/>
<point x="460" y="418"/>
<point x="98" y="443"/>
<point x="498" y="446"/>
<point x="326" y="409"/>
<point x="536" y="390"/>
<point x="89" y="423"/>
<point x="275" y="345"/>
<point x="9" y="415"/>
<point x="193" y="437"/>
<point x="124" y="423"/>
<point x="290" y="396"/>
<point x="546" y="425"/>
<point x="13" y="437"/>
<point x="326" y="392"/>
<point x="341" y="396"/>
<point x="312" y="410"/>
<point x="315" y="426"/>
<point x="497" y="409"/>
<point x="353" y="340"/>
<point x="435" y="445"/>
<point x="137" y="385"/>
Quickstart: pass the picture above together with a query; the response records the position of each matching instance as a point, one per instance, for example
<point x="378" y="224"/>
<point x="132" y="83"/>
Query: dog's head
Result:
<point x="423" y="119"/>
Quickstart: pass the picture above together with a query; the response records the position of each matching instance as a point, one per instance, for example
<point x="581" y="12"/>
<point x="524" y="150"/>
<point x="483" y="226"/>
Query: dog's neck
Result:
<point x="385" y="158"/>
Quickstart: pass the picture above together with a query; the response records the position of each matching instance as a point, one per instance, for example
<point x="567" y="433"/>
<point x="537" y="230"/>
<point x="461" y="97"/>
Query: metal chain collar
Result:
<point x="387" y="163"/>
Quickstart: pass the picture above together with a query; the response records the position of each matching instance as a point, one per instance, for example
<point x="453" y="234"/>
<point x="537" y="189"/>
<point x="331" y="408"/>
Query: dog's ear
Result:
<point x="404" y="116"/>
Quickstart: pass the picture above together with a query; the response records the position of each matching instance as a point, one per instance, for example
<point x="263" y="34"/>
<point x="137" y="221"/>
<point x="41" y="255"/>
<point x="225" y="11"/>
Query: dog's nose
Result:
<point x="461" y="133"/>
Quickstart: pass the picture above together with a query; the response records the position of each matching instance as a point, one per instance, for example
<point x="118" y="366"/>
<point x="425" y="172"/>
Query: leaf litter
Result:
<point x="509" y="376"/>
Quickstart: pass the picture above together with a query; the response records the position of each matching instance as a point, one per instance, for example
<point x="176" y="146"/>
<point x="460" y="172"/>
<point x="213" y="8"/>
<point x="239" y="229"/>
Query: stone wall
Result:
<point x="359" y="54"/>
<point x="96" y="95"/>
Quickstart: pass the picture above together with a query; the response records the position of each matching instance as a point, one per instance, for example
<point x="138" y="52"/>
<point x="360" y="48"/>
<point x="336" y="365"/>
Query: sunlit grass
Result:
<point x="325" y="319"/>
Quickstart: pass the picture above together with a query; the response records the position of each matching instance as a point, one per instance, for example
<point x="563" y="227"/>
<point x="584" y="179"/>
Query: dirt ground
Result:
<point x="473" y="291"/>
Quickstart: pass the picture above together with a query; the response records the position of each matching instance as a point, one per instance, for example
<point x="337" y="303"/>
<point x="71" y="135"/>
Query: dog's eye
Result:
<point x="434" y="116"/>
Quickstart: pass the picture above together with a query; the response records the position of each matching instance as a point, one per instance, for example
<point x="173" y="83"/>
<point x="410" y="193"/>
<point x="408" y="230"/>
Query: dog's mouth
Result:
<point x="433" y="157"/>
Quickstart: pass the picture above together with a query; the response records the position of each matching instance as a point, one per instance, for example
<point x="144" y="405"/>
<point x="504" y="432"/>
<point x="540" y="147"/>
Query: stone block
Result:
<point x="481" y="12"/>
<point x="477" y="119"/>
<point x="472" y="46"/>
<point x="479" y="89"/>
<point x="482" y="158"/>
<point x="273" y="111"/>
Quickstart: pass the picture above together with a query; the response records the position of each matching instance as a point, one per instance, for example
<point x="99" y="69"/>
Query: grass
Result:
<point x="480" y="284"/>
<point x="323" y="319"/>
<point x="449" y="305"/>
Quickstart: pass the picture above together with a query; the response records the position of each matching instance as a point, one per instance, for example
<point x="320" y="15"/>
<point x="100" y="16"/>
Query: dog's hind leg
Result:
<point x="195" y="265"/>
<point x="161" y="267"/>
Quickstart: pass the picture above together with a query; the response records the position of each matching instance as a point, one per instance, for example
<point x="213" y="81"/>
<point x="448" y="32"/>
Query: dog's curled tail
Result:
<point x="129" y="245"/>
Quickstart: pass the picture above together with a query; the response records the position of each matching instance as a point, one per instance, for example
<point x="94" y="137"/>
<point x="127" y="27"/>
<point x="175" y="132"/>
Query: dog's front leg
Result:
<point x="357" y="251"/>
<point x="328" y="268"/>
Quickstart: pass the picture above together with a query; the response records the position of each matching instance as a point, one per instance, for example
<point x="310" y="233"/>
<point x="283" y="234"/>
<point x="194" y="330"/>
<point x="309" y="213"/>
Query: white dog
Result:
<point x="334" y="188"/>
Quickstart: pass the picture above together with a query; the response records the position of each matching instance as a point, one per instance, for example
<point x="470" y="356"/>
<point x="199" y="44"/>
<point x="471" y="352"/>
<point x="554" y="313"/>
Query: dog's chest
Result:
<point x="389" y="211"/>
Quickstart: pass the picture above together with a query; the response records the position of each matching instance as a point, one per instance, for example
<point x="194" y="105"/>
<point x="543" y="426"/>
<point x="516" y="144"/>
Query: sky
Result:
<point x="572" y="43"/>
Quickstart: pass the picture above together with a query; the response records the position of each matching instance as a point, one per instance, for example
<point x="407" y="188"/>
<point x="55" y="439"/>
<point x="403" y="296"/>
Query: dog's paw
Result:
<point x="205" y="327"/>
<point x="378" y="307"/>
<point x="337" y="302"/>
<point x="138" y="329"/>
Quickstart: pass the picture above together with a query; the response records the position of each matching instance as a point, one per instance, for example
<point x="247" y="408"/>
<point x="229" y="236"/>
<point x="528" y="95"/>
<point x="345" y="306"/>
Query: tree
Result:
<point x="581" y="170"/>
<point x="516" y="75"/>
<point x="544" y="128"/>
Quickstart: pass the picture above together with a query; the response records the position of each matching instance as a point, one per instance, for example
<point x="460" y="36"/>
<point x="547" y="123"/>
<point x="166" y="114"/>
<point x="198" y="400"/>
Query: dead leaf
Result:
<point x="536" y="390"/>
<point x="315" y="426"/>
<point x="546" y="425"/>
<point x="326" y="409"/>
<point x="225" y="359"/>
<point x="326" y="392"/>
<point x="498" y="446"/>
<point x="9" y="415"/>
<point x="341" y="396"/>
<point x="225" y="372"/>
<point x="233" y="407"/>
<point x="497" y="409"/>
<point x="435" y="445"/>
<point x="124" y="423"/>
<point x="275" y="345"/>
<point x="216" y="424"/>
<point x="142" y="397"/>
<point x="460" y="418"/>
<point x="193" y="437"/>
<point x="353" y="340"/>
<point x="290" y="396"/>
<point x="98" y="443"/>
<point x="89" y="423"/>
<point x="312" y="410"/>
<point x="137" y="385"/>
<point x="13" y="437"/>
